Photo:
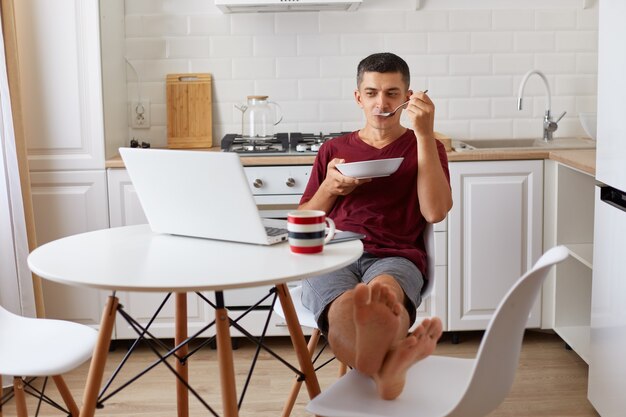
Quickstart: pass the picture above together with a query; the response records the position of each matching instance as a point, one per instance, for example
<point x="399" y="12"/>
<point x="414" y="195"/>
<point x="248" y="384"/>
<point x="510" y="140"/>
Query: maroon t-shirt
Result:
<point x="386" y="209"/>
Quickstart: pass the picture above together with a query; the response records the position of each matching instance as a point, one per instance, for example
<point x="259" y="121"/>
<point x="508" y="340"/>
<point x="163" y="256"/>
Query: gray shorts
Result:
<point x="318" y="292"/>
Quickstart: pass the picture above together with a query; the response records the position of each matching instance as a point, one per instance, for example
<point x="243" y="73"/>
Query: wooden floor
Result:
<point x="551" y="381"/>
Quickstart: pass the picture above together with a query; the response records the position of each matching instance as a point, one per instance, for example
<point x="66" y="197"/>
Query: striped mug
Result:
<point x="307" y="229"/>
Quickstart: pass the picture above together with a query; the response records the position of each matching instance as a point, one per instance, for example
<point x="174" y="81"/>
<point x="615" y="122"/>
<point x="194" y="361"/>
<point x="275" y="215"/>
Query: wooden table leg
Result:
<point x="182" y="394"/>
<point x="297" y="339"/>
<point x="225" y="357"/>
<point x="99" y="358"/>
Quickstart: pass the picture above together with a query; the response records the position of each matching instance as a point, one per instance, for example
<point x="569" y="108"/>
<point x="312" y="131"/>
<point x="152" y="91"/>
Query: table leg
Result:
<point x="99" y="358"/>
<point x="225" y="357"/>
<point x="182" y="394"/>
<point x="297" y="339"/>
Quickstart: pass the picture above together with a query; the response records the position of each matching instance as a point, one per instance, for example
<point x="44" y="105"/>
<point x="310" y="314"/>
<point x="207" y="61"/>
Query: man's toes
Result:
<point x="376" y="293"/>
<point x="361" y="295"/>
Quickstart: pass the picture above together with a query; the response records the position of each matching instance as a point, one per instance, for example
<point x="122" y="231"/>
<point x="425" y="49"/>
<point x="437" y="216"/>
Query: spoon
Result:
<point x="401" y="106"/>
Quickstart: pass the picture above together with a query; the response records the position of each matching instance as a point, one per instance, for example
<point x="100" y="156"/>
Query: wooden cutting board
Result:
<point x="189" y="111"/>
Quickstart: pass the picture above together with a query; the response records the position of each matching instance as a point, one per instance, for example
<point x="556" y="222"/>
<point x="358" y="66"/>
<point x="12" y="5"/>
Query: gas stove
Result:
<point x="294" y="143"/>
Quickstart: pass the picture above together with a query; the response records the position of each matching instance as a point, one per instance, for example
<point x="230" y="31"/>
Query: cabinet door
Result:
<point x="124" y="206"/>
<point x="67" y="203"/>
<point x="61" y="83"/>
<point x="495" y="235"/>
<point x="125" y="210"/>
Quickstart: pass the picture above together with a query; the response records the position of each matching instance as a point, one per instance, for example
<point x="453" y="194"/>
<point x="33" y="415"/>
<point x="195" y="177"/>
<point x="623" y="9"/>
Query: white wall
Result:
<point x="471" y="60"/>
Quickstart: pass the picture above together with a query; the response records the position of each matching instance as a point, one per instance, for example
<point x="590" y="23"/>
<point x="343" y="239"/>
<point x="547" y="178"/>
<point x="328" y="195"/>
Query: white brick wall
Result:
<point x="471" y="61"/>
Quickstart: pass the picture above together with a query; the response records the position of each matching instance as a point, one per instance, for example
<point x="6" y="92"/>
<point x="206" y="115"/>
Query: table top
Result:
<point x="133" y="258"/>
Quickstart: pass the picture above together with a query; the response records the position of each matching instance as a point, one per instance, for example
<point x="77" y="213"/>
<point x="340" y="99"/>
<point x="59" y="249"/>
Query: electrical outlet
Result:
<point x="140" y="114"/>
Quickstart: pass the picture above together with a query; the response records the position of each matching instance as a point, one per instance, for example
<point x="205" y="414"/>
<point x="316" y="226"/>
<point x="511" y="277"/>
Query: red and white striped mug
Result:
<point x="307" y="230"/>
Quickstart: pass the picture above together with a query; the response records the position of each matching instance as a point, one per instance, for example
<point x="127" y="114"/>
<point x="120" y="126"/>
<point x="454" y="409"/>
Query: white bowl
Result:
<point x="370" y="169"/>
<point x="590" y="123"/>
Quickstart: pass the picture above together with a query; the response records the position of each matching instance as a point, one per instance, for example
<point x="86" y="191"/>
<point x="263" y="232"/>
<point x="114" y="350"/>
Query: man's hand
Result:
<point x="421" y="112"/>
<point x="336" y="183"/>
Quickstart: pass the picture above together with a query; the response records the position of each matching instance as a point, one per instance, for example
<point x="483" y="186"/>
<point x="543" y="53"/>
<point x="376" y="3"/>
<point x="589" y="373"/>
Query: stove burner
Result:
<point x="280" y="144"/>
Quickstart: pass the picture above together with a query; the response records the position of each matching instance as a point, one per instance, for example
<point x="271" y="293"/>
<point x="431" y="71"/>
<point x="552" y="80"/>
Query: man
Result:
<point x="366" y="309"/>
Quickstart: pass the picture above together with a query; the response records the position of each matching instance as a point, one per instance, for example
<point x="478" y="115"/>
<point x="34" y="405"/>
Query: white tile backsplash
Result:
<point x="253" y="68"/>
<point x="555" y="19"/>
<point x="472" y="20"/>
<point x="513" y="20"/>
<point x="584" y="41"/>
<point x="275" y="46"/>
<point x="188" y="47"/>
<point x="482" y="42"/>
<point x="475" y="64"/>
<point x="556" y="63"/>
<point x="319" y="45"/>
<point x="297" y="23"/>
<point x="231" y="46"/>
<point x="472" y="60"/>
<point x="214" y="24"/>
<point x="470" y="108"/>
<point x="320" y="89"/>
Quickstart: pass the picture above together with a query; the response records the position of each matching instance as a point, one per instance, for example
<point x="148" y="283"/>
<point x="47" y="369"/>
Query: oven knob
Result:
<point x="257" y="183"/>
<point x="290" y="182"/>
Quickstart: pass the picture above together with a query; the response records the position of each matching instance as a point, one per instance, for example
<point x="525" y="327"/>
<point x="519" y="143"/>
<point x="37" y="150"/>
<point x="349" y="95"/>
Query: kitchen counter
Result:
<point x="582" y="159"/>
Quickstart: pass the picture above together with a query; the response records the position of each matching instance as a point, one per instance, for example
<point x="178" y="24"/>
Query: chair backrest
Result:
<point x="498" y="355"/>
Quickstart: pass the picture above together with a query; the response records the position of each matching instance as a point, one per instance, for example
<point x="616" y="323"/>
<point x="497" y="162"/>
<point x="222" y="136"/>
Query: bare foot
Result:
<point x="417" y="346"/>
<point x="377" y="318"/>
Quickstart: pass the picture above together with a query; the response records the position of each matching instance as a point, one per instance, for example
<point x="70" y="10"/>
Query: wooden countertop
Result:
<point x="582" y="159"/>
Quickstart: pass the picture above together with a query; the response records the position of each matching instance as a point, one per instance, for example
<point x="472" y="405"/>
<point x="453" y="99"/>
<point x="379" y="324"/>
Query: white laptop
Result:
<point x="200" y="194"/>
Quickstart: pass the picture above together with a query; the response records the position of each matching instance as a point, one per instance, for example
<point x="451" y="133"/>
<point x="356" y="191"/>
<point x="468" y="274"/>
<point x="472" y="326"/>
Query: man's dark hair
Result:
<point x="383" y="62"/>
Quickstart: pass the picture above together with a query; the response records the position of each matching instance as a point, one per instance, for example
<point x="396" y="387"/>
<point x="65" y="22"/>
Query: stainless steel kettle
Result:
<point x="258" y="117"/>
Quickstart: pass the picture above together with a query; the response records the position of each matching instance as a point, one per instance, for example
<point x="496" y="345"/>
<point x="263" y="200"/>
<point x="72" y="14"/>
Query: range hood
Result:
<point x="273" y="6"/>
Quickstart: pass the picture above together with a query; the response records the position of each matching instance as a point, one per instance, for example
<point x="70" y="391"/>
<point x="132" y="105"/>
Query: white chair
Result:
<point x="31" y="347"/>
<point x="307" y="319"/>
<point x="451" y="387"/>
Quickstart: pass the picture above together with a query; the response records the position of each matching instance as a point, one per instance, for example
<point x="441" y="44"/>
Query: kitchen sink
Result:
<point x="524" y="143"/>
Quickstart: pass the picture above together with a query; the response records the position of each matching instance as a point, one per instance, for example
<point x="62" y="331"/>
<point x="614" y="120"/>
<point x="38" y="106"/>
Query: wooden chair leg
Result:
<point x="20" y="397"/>
<point x="68" y="399"/>
<point x="295" y="388"/>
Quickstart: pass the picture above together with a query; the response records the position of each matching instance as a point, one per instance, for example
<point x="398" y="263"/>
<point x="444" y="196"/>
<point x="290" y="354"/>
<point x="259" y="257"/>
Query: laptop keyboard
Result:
<point x="275" y="231"/>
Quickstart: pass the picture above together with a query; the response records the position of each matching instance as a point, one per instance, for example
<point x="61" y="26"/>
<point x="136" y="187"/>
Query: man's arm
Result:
<point x="433" y="190"/>
<point x="334" y="185"/>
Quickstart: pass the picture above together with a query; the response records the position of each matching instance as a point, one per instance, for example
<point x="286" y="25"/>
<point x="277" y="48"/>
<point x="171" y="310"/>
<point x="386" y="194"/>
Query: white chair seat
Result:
<point x="437" y="383"/>
<point x="42" y="347"/>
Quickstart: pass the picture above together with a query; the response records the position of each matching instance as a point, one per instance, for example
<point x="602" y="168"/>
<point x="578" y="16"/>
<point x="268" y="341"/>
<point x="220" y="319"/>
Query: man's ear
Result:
<point x="357" y="98"/>
<point x="409" y="93"/>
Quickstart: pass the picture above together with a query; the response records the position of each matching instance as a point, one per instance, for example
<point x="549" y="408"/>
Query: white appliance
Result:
<point x="607" y="364"/>
<point x="271" y="6"/>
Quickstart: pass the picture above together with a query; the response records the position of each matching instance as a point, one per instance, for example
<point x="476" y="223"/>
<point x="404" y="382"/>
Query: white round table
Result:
<point x="133" y="258"/>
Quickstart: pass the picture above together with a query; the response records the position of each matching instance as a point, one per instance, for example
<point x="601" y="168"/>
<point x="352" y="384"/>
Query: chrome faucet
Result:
<point x="549" y="124"/>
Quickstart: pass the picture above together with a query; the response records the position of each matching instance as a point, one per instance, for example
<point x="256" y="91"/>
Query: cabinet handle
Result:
<point x="290" y="182"/>
<point x="257" y="183"/>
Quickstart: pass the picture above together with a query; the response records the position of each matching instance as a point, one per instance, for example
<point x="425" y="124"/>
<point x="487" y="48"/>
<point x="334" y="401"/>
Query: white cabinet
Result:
<point x="61" y="94"/>
<point x="495" y="235"/>
<point x="569" y="211"/>
<point x="66" y="203"/>
<point x="436" y="304"/>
